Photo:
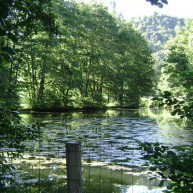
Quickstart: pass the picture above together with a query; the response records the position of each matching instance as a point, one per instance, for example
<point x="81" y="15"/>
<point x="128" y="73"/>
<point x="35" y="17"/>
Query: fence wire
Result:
<point x="105" y="164"/>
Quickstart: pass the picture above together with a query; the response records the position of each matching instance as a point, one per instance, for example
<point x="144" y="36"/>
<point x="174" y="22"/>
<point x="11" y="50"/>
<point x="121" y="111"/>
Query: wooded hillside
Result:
<point x="157" y="29"/>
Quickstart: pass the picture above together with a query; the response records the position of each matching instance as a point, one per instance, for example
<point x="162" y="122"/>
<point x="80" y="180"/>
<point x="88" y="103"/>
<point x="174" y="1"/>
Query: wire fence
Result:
<point x="109" y="160"/>
<point x="55" y="168"/>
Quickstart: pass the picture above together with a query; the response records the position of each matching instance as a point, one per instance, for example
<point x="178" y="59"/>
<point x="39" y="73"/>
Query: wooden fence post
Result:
<point x="74" y="169"/>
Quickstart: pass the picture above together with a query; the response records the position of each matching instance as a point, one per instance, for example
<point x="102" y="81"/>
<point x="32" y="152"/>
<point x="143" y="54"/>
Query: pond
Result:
<point x="112" y="159"/>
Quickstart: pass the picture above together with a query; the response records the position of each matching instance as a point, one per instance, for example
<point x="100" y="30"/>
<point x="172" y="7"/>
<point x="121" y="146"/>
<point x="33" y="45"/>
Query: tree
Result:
<point x="26" y="15"/>
<point x="17" y="21"/>
<point x="175" y="163"/>
<point x="52" y="67"/>
<point x="174" y="70"/>
<point x="75" y="68"/>
<point x="15" y="15"/>
<point x="157" y="30"/>
<point x="176" y="77"/>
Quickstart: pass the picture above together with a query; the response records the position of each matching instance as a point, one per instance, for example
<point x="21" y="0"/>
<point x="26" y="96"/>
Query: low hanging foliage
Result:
<point x="12" y="136"/>
<point x="173" y="164"/>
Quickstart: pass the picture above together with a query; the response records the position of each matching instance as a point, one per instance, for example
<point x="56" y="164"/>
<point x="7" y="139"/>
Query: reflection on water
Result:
<point x="110" y="138"/>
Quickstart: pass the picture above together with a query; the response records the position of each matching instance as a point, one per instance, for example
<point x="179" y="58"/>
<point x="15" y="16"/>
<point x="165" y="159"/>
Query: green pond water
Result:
<point x="111" y="158"/>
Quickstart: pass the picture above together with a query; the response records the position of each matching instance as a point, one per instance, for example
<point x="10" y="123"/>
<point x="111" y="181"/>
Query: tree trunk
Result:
<point x="42" y="82"/>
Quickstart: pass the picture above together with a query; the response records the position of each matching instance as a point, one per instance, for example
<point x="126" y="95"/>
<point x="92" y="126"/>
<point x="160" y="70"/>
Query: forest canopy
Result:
<point x="65" y="54"/>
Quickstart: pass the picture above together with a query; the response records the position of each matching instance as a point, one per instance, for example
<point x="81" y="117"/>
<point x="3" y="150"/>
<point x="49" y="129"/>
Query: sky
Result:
<point x="135" y="8"/>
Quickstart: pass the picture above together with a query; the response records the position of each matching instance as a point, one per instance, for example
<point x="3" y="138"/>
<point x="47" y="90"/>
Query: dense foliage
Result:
<point x="12" y="136"/>
<point x="93" y="61"/>
<point x="18" y="19"/>
<point x="157" y="29"/>
<point x="177" y="73"/>
<point x="175" y="163"/>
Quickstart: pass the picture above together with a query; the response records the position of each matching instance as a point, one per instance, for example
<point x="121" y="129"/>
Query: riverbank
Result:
<point x="72" y="109"/>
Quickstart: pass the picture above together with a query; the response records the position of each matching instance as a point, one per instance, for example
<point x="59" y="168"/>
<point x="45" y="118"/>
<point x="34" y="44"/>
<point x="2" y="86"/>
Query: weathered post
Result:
<point x="74" y="169"/>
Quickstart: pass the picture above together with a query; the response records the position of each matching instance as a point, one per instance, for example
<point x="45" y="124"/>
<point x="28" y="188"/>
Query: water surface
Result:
<point x="110" y="142"/>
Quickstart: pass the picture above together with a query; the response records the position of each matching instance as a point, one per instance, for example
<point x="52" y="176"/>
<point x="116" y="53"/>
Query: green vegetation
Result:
<point x="157" y="30"/>
<point x="174" y="164"/>
<point x="176" y="74"/>
<point x="12" y="134"/>
<point x="94" y="60"/>
<point x="18" y="21"/>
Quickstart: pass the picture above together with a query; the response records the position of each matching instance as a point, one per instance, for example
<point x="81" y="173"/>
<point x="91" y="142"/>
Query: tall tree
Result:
<point x="17" y="20"/>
